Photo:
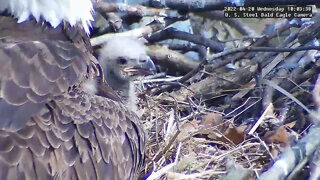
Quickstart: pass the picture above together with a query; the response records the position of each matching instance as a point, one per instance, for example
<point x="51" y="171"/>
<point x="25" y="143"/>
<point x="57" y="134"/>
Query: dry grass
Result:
<point x="235" y="116"/>
<point x="191" y="141"/>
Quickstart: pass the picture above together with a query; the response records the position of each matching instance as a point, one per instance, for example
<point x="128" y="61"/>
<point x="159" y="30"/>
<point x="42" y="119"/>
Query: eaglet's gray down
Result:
<point x="124" y="60"/>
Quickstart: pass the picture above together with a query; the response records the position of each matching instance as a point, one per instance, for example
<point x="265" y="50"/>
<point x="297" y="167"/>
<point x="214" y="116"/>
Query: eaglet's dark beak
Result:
<point x="145" y="66"/>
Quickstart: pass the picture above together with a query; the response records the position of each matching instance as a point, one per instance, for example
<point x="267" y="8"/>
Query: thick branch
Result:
<point x="172" y="60"/>
<point x="136" y="33"/>
<point x="194" y="5"/>
<point x="172" y="33"/>
<point x="215" y="85"/>
<point x="141" y="11"/>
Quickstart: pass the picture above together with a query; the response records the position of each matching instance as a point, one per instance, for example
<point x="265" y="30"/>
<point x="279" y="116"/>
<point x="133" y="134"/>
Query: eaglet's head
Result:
<point x="124" y="59"/>
<point x="53" y="12"/>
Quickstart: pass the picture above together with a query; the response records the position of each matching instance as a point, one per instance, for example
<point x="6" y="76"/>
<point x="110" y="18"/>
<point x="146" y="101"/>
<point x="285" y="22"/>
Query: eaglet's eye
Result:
<point x="122" y="61"/>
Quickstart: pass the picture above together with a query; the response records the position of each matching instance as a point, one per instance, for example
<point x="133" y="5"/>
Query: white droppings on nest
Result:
<point x="171" y="126"/>
<point x="52" y="11"/>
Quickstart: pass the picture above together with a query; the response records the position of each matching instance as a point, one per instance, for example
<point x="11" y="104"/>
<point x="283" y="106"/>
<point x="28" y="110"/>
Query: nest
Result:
<point x="246" y="107"/>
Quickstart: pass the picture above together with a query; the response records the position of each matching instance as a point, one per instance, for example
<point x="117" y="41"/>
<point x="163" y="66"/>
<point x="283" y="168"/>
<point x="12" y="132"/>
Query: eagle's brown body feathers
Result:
<point x="50" y="128"/>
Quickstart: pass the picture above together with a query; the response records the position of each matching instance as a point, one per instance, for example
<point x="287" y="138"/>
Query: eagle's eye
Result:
<point x="122" y="61"/>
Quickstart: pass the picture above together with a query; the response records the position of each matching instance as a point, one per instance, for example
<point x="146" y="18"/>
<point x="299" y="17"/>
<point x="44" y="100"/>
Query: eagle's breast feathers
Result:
<point x="52" y="11"/>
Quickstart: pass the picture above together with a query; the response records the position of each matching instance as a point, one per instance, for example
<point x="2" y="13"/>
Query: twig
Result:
<point x="233" y="22"/>
<point x="142" y="11"/>
<point x="203" y="174"/>
<point x="137" y="33"/>
<point x="293" y="156"/>
<point x="275" y="86"/>
<point x="262" y="117"/>
<point x="316" y="93"/>
<point x="181" y="80"/>
<point x="266" y="49"/>
<point x="172" y="33"/>
<point x="169" y="79"/>
<point x="315" y="165"/>
<point x="194" y="5"/>
<point x="165" y="169"/>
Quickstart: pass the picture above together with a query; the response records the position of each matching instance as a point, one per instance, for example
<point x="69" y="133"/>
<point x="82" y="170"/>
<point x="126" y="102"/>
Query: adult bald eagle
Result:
<point x="121" y="69"/>
<point x="58" y="119"/>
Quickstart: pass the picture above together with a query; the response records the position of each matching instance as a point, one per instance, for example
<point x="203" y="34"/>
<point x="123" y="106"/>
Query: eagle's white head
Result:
<point x="52" y="11"/>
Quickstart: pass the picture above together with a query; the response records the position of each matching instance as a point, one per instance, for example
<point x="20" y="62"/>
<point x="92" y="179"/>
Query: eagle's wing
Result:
<point x="50" y="128"/>
<point x="32" y="73"/>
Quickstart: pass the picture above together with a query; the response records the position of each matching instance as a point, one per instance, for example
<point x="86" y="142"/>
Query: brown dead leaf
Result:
<point x="212" y="123"/>
<point x="291" y="124"/>
<point x="187" y="129"/>
<point x="219" y="130"/>
<point x="278" y="136"/>
<point x="230" y="135"/>
<point x="211" y="119"/>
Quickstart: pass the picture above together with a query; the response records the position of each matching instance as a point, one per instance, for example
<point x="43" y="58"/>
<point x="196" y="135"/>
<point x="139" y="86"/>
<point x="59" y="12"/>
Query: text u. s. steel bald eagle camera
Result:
<point x="58" y="119"/>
